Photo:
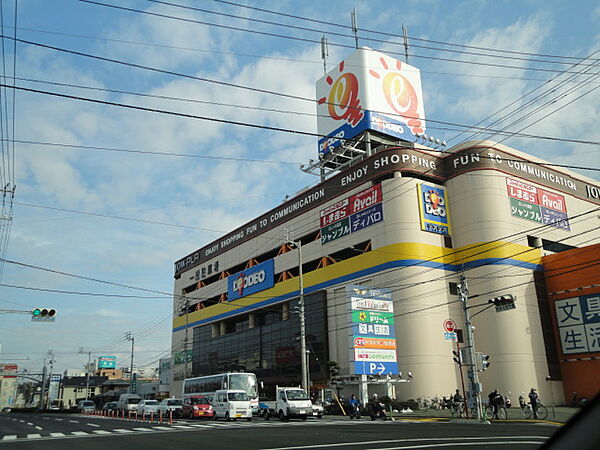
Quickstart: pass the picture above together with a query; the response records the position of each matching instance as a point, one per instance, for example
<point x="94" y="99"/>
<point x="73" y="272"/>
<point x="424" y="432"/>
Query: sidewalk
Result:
<point x="561" y="414"/>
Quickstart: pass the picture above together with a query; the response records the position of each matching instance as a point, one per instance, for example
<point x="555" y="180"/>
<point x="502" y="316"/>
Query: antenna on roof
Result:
<point x="324" y="53"/>
<point x="405" y="34"/>
<point x="354" y="26"/>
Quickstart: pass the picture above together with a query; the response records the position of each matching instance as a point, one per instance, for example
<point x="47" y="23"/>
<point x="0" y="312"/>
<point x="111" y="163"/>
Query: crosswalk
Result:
<point x="179" y="426"/>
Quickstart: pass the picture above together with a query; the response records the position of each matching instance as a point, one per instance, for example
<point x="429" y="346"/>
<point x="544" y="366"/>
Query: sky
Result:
<point x="116" y="195"/>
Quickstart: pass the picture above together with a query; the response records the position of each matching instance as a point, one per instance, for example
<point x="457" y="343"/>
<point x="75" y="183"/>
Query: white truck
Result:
<point x="291" y="402"/>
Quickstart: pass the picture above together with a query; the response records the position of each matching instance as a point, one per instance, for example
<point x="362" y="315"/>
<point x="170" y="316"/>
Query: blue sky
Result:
<point x="207" y="197"/>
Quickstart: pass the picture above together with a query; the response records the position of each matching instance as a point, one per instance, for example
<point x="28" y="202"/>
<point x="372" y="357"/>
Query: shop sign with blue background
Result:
<point x="251" y="280"/>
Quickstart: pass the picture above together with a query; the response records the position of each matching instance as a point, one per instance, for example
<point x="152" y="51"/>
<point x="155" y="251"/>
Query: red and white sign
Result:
<point x="551" y="200"/>
<point x="449" y="325"/>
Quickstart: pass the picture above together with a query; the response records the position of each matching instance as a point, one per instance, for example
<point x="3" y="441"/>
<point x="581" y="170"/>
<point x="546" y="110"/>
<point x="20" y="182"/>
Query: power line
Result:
<point x="312" y="41"/>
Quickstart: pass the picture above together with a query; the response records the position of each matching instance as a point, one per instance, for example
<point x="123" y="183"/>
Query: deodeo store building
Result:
<point x="402" y="217"/>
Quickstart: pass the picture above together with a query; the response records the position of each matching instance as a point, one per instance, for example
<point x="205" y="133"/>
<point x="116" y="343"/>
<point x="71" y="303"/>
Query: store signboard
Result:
<point x="578" y="322"/>
<point x="372" y="336"/>
<point x="252" y="280"/>
<point x="433" y="209"/>
<point x="537" y="205"/>
<point x="351" y="214"/>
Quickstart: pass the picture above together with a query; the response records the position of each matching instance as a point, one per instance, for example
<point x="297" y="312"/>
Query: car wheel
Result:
<point x="249" y="419"/>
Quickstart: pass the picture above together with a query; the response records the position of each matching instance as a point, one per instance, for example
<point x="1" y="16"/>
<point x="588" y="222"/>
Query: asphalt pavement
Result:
<point x="60" y="431"/>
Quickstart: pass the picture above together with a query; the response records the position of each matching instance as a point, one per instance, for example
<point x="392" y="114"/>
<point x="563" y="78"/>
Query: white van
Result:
<point x="128" y="402"/>
<point x="232" y="404"/>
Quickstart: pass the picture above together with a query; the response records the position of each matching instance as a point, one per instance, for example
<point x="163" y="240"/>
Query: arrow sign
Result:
<point x="375" y="368"/>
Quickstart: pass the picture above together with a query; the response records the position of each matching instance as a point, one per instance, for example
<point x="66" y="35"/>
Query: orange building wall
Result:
<point x="571" y="274"/>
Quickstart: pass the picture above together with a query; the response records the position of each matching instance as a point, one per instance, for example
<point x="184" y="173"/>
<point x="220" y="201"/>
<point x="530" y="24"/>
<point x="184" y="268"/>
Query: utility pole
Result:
<point x="475" y="387"/>
<point x="129" y="337"/>
<point x="44" y="374"/>
<point x="87" y="372"/>
<point x="303" y="354"/>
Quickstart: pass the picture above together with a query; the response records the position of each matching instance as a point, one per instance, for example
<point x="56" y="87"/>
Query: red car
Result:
<point x="197" y="406"/>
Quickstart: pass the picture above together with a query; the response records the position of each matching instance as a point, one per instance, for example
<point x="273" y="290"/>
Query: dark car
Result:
<point x="197" y="406"/>
<point x="110" y="406"/>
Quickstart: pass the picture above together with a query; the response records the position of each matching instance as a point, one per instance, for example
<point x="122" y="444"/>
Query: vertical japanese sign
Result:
<point x="351" y="214"/>
<point x="372" y="336"/>
<point x="578" y="321"/>
<point x="538" y="205"/>
<point x="433" y="208"/>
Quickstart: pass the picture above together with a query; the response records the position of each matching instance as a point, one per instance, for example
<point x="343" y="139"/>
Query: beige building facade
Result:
<point x="407" y="219"/>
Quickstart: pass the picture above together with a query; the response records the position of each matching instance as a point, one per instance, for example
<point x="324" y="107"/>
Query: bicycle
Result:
<point x="500" y="414"/>
<point x="457" y="411"/>
<point x="541" y="411"/>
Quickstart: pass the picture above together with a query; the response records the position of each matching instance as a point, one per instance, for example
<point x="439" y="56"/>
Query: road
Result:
<point x="60" y="431"/>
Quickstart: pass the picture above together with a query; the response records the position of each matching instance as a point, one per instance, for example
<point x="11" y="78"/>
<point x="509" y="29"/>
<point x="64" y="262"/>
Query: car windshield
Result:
<point x="297" y="394"/>
<point x="244" y="382"/>
<point x="174" y="402"/>
<point x="237" y="397"/>
<point x="134" y="401"/>
<point x="151" y="402"/>
<point x="199" y="401"/>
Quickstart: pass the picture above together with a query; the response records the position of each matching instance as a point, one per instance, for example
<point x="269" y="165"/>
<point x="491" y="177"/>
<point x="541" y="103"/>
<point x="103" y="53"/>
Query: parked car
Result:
<point x="195" y="406"/>
<point x="110" y="406"/>
<point x="168" y="405"/>
<point x="86" y="406"/>
<point x="147" y="407"/>
<point x="128" y="403"/>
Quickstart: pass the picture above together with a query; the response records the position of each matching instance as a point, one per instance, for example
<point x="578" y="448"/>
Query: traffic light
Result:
<point x="504" y="302"/>
<point x="43" y="314"/>
<point x="483" y="362"/>
<point x="457" y="358"/>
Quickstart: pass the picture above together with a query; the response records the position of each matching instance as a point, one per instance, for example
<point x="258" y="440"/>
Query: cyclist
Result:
<point x="495" y="401"/>
<point x="354" y="407"/>
<point x="534" y="399"/>
<point x="457" y="402"/>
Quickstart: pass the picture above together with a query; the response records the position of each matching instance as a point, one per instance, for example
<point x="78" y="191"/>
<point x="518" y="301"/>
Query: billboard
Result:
<point x="372" y="334"/>
<point x="107" y="362"/>
<point x="537" y="205"/>
<point x="251" y="280"/>
<point x="433" y="209"/>
<point x="578" y="320"/>
<point x="351" y="214"/>
<point x="369" y="91"/>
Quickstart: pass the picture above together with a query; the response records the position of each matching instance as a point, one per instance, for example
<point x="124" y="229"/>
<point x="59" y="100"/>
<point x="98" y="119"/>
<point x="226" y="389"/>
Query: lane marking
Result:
<point x="183" y="427"/>
<point x="123" y="430"/>
<point x="93" y="424"/>
<point x="34" y="436"/>
<point x="453" y="444"/>
<point x="390" y="441"/>
<point x="79" y="433"/>
<point x="74" y="421"/>
<point x="142" y="429"/>
<point x="60" y="420"/>
<point x="101" y="432"/>
<point x="57" y="434"/>
<point x="29" y="423"/>
<point x="162" y="428"/>
<point x="9" y="437"/>
<point x="39" y="428"/>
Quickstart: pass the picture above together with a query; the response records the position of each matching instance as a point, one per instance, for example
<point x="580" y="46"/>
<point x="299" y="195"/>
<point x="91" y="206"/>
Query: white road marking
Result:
<point x="101" y="432"/>
<point x="39" y="428"/>
<point x="123" y="430"/>
<point x="93" y="424"/>
<point x="22" y="421"/>
<point x="74" y="421"/>
<point x="453" y="444"/>
<point x="80" y="433"/>
<point x="9" y="437"/>
<point x="34" y="436"/>
<point x="60" y="420"/>
<point x="197" y="425"/>
<point x="162" y="428"/>
<point x="29" y="423"/>
<point x="57" y="434"/>
<point x="183" y="427"/>
<point x="142" y="429"/>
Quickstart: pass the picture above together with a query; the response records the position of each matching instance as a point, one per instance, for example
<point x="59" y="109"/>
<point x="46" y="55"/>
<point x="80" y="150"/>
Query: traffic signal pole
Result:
<point x="475" y="387"/>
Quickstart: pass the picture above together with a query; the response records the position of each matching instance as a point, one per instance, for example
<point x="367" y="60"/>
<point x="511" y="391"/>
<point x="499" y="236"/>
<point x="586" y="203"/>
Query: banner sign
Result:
<point x="107" y="362"/>
<point x="251" y="280"/>
<point x="578" y="322"/>
<point x="537" y="205"/>
<point x="433" y="209"/>
<point x="385" y="318"/>
<point x="372" y="334"/>
<point x="351" y="214"/>
<point x="181" y="357"/>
